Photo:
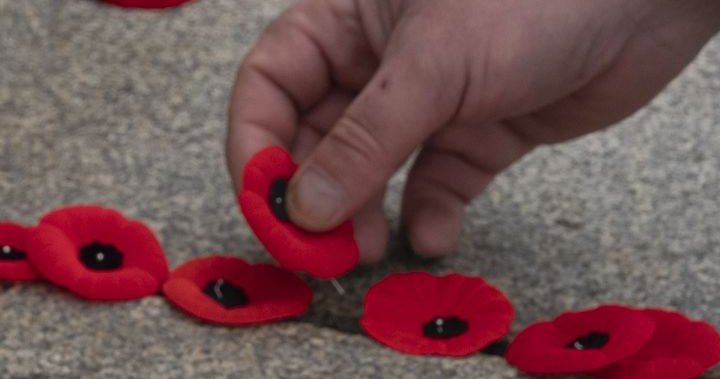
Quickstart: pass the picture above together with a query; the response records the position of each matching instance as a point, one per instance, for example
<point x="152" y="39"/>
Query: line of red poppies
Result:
<point x="99" y="254"/>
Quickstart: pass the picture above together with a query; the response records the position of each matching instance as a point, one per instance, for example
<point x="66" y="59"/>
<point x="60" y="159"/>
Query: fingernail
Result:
<point x="315" y="200"/>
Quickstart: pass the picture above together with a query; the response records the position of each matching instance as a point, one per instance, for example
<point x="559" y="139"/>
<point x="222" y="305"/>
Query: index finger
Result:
<point x="283" y="75"/>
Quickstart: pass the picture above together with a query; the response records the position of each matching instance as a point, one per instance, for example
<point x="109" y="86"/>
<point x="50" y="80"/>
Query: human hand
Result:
<point x="353" y="87"/>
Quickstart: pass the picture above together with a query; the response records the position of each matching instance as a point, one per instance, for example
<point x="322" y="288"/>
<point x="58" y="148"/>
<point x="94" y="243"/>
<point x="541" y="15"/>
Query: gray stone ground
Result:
<point x="128" y="110"/>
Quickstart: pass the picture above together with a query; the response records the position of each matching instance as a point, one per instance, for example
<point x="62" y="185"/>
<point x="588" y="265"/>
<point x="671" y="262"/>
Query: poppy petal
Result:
<point x="679" y="349"/>
<point x="245" y="294"/>
<point x="147" y="4"/>
<point x="323" y="255"/>
<point x="14" y="264"/>
<point x="422" y="314"/>
<point x="582" y="341"/>
<point x="98" y="254"/>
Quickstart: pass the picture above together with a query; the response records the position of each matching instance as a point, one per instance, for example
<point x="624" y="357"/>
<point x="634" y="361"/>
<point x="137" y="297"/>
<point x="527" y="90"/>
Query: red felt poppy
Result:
<point x="230" y="291"/>
<point x="147" y="4"/>
<point x="262" y="200"/>
<point x="98" y="254"/>
<point x="679" y="349"/>
<point x="581" y="341"/>
<point x="419" y="313"/>
<point x="14" y="265"/>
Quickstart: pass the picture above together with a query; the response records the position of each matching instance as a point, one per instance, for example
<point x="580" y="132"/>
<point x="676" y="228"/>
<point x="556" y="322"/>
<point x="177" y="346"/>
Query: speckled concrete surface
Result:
<point x="128" y="109"/>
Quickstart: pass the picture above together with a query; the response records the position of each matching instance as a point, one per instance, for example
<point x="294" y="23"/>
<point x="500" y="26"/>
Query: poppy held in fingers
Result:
<point x="422" y="314"/>
<point x="98" y="254"/>
<point x="14" y="264"/>
<point x="230" y="291"/>
<point x="147" y="4"/>
<point x="577" y="342"/>
<point x="262" y="200"/>
<point x="679" y="349"/>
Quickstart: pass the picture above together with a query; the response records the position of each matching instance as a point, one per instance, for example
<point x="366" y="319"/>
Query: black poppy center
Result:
<point x="101" y="257"/>
<point x="9" y="253"/>
<point x="444" y="327"/>
<point x="278" y="189"/>
<point x="226" y="294"/>
<point x="592" y="341"/>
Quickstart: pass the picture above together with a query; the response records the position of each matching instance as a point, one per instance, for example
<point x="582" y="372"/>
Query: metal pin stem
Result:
<point x="217" y="290"/>
<point x="337" y="286"/>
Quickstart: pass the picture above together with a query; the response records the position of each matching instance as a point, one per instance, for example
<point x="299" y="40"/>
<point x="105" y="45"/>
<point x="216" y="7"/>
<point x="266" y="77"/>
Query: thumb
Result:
<point x="405" y="101"/>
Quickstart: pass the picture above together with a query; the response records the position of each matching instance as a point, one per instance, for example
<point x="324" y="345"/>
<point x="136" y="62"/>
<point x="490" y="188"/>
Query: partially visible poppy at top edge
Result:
<point x="147" y="4"/>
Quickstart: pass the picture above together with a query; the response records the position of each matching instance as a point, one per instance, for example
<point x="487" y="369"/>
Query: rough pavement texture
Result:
<point x="128" y="109"/>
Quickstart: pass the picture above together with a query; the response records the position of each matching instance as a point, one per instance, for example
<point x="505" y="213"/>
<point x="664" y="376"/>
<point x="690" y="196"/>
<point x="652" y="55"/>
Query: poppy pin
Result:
<point x="679" y="349"/>
<point x="98" y="254"/>
<point x="14" y="263"/>
<point x="422" y="314"/>
<point x="262" y="200"/>
<point x="227" y="290"/>
<point x="582" y="341"/>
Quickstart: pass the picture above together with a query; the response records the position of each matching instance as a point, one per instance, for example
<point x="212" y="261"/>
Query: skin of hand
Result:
<point x="353" y="87"/>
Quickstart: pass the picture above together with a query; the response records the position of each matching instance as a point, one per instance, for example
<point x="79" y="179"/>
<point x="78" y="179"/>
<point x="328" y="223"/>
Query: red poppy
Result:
<point x="147" y="4"/>
<point x="14" y="265"/>
<point x="581" y="341"/>
<point x="230" y="291"/>
<point x="679" y="349"/>
<point x="98" y="254"/>
<point x="262" y="200"/>
<point x="419" y="313"/>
